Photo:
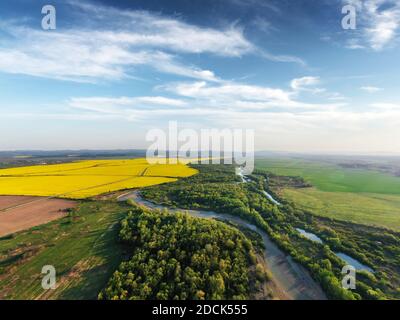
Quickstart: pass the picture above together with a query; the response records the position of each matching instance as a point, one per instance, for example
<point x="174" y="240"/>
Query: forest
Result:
<point x="178" y="257"/>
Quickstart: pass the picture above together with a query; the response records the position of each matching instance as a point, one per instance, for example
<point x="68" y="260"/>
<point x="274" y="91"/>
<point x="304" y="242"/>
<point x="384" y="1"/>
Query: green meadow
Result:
<point x="330" y="177"/>
<point x="360" y="196"/>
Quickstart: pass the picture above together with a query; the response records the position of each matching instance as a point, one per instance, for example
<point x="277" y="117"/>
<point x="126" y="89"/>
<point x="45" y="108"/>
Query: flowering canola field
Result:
<point x="89" y="178"/>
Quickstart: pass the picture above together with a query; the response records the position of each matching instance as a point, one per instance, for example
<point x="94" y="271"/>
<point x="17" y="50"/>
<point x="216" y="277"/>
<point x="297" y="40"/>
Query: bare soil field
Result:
<point x="12" y="201"/>
<point x="19" y="213"/>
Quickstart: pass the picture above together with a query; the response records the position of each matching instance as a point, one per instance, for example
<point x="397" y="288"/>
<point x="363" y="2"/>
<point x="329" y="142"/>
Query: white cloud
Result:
<point x="383" y="23"/>
<point x="83" y="56"/>
<point x="237" y="96"/>
<point x="371" y="89"/>
<point x="282" y="58"/>
<point x="142" y="28"/>
<point x="110" y="43"/>
<point x="213" y="98"/>
<point x="229" y="91"/>
<point x="333" y="96"/>
<point x="123" y="104"/>
<point x="354" y="44"/>
<point x="304" y="83"/>
<point x="378" y="22"/>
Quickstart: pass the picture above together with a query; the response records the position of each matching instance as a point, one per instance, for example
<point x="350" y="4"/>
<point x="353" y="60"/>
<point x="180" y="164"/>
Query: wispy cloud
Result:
<point x="371" y="89"/>
<point x="282" y="58"/>
<point x="112" y="44"/>
<point x="115" y="105"/>
<point x="383" y="22"/>
<point x="115" y="42"/>
<point x="83" y="56"/>
<point x="228" y="92"/>
<point x="304" y="83"/>
<point x="378" y="22"/>
<point x="203" y="98"/>
<point x="143" y="28"/>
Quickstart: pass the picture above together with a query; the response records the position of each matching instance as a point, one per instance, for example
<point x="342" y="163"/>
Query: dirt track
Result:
<point x="18" y="213"/>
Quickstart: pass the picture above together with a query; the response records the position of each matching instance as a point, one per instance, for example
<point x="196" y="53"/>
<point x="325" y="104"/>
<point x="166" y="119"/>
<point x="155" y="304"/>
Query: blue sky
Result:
<point x="114" y="69"/>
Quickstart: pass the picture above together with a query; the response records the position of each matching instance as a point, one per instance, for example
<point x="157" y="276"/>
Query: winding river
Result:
<point x="245" y="179"/>
<point x="292" y="280"/>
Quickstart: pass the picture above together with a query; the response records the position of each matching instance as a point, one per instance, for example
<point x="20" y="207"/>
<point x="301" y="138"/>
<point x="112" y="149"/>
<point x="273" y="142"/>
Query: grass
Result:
<point x="355" y="195"/>
<point x="83" y="248"/>
<point x="89" y="178"/>
<point x="372" y="209"/>
<point x="332" y="178"/>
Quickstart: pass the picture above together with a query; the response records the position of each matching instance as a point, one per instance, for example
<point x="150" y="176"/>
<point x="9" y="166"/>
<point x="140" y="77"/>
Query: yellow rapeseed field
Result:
<point x="83" y="179"/>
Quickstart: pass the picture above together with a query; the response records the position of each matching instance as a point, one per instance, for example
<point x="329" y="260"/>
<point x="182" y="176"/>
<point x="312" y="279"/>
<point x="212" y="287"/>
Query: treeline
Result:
<point x="278" y="182"/>
<point x="175" y="256"/>
<point x="216" y="188"/>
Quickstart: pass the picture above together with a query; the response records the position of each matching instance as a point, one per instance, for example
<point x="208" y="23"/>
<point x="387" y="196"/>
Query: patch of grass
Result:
<point x="332" y="178"/>
<point x="356" y="195"/>
<point x="83" y="248"/>
<point x="374" y="209"/>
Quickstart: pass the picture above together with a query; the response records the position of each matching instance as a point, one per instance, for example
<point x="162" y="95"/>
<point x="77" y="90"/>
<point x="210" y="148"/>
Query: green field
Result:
<point x="360" y="196"/>
<point x="84" y="250"/>
<point x="330" y="177"/>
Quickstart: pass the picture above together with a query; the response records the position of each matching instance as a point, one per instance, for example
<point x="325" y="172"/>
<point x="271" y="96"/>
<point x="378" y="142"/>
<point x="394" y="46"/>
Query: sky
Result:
<point x="112" y="70"/>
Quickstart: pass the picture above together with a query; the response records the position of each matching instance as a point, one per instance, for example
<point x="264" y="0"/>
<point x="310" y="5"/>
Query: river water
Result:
<point x="271" y="198"/>
<point x="309" y="235"/>
<point x="245" y="179"/>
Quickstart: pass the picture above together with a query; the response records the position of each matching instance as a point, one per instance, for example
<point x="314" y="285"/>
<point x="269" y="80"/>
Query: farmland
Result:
<point x="330" y="177"/>
<point x="374" y="209"/>
<point x="82" y="246"/>
<point x="357" y="195"/>
<point x="81" y="242"/>
<point x="83" y="179"/>
<point x="19" y="213"/>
